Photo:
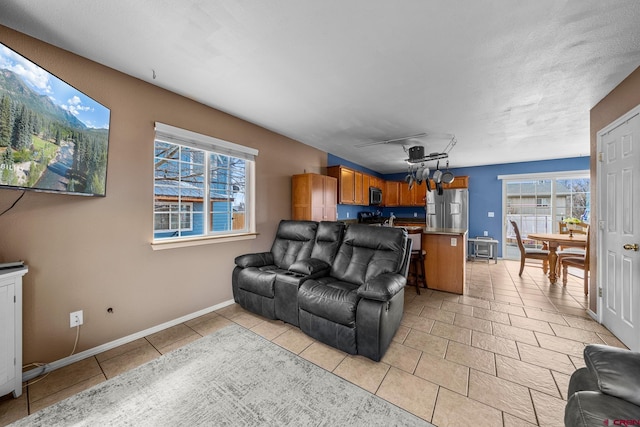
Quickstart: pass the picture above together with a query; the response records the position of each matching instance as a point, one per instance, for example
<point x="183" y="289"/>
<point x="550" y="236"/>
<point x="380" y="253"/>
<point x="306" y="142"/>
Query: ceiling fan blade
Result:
<point x="391" y="141"/>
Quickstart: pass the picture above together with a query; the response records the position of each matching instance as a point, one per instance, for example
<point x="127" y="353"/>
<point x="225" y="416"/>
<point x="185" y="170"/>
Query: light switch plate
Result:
<point x="492" y="214"/>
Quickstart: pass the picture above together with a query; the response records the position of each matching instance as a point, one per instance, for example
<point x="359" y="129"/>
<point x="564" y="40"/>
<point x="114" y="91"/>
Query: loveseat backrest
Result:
<point x="328" y="239"/>
<point x="367" y="252"/>
<point x="294" y="241"/>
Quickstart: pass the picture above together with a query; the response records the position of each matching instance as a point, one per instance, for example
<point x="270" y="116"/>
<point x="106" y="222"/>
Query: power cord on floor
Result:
<point x="40" y="364"/>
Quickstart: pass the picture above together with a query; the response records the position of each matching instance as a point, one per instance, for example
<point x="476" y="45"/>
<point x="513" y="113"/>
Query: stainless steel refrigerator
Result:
<point x="449" y="210"/>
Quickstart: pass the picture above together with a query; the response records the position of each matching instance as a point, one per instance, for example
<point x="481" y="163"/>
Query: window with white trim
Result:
<point x="203" y="186"/>
<point x="539" y="202"/>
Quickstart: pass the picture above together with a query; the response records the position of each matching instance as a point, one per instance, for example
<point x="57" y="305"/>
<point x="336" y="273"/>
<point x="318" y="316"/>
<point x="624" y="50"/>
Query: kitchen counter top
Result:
<point x="431" y="230"/>
<point x="452" y="231"/>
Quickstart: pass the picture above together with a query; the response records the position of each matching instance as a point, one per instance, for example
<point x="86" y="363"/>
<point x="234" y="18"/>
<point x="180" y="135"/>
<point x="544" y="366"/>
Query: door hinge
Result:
<point x="14" y="299"/>
<point x="601" y="156"/>
<point x="599" y="292"/>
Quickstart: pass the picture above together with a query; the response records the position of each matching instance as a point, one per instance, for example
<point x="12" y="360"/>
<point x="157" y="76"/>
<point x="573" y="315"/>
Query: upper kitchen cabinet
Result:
<point x="374" y="181"/>
<point x="353" y="186"/>
<point x="358" y="196"/>
<point x="391" y="193"/>
<point x="314" y="197"/>
<point x="346" y="183"/>
<point x="366" y="183"/>
<point x="414" y="196"/>
<point x="458" y="182"/>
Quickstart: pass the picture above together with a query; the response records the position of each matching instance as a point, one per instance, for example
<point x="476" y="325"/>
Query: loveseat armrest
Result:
<point x="254" y="260"/>
<point x="382" y="287"/>
<point x="616" y="370"/>
<point x="309" y="266"/>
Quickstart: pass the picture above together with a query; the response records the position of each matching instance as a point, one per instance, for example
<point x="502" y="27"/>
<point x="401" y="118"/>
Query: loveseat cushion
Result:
<point x="367" y="252"/>
<point x="328" y="240"/>
<point x="294" y="241"/>
<point x="257" y="281"/>
<point x="330" y="299"/>
<point x="616" y="370"/>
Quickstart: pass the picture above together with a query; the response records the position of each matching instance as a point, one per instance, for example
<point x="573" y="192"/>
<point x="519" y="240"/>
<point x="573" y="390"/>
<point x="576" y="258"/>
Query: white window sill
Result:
<point x="158" y="245"/>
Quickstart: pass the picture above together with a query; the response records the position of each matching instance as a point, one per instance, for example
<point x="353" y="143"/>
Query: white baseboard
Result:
<point x="33" y="373"/>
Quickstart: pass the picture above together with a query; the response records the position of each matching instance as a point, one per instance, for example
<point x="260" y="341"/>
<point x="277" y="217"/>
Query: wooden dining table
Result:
<point x="555" y="240"/>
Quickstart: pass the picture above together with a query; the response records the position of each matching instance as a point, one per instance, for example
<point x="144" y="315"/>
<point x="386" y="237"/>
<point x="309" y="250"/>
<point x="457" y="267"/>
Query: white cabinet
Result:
<point x="11" y="330"/>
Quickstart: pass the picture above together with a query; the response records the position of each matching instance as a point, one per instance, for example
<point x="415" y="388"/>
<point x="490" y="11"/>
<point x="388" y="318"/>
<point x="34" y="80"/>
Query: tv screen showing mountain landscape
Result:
<point x="52" y="137"/>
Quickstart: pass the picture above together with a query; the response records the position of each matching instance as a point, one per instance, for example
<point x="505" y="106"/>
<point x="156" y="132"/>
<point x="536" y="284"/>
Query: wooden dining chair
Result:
<point x="530" y="253"/>
<point x="570" y="251"/>
<point x="563" y="228"/>
<point x="581" y="262"/>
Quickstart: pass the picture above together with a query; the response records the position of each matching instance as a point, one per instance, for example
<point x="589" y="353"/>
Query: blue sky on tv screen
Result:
<point x="85" y="109"/>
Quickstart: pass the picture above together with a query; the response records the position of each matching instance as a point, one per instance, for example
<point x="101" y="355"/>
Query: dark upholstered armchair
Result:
<point x="606" y="390"/>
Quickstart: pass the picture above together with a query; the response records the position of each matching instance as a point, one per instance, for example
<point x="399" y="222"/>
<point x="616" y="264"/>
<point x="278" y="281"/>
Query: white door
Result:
<point x="618" y="261"/>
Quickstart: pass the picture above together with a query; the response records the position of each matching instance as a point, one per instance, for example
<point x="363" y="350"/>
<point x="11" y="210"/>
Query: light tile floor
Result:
<point x="500" y="355"/>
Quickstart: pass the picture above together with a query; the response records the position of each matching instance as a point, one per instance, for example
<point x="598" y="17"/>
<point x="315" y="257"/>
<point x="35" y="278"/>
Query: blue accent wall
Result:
<point x="485" y="191"/>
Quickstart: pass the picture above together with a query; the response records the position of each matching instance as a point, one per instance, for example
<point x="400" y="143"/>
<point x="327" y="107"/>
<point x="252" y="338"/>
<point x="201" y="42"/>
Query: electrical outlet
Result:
<point x="415" y="214"/>
<point x="75" y="319"/>
<point x="347" y="214"/>
<point x="486" y="233"/>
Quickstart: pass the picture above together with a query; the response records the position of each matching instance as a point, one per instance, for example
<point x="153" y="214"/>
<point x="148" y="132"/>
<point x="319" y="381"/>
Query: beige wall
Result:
<point x="623" y="98"/>
<point x="95" y="253"/>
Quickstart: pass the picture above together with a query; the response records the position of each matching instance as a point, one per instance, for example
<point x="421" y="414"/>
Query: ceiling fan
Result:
<point x="407" y="140"/>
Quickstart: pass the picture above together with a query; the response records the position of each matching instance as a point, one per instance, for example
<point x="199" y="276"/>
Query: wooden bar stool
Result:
<point x="416" y="276"/>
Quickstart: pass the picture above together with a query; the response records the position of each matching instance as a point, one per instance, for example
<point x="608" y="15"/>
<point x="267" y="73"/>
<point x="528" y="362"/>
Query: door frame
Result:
<point x="569" y="174"/>
<point x="599" y="191"/>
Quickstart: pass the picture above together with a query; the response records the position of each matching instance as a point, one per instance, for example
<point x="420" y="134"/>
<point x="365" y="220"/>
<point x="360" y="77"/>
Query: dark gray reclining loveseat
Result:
<point x="344" y="286"/>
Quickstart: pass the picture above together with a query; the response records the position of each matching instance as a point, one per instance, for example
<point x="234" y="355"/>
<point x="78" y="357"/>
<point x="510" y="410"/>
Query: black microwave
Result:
<point x="375" y="196"/>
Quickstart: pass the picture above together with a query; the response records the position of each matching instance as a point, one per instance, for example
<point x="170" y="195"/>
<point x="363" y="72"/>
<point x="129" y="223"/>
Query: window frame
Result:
<point x="209" y="145"/>
<point x="171" y="212"/>
<point x="553" y="177"/>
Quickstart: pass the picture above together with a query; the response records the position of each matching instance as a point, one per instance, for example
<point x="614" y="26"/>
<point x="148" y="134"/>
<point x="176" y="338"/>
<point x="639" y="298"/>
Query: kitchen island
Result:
<point x="445" y="263"/>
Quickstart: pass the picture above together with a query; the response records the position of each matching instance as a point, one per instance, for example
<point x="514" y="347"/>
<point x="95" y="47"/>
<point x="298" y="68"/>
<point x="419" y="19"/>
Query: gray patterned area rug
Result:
<point x="231" y="377"/>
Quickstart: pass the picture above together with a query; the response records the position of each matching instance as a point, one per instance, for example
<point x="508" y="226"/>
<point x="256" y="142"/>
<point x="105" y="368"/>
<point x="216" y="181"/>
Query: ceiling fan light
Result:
<point x="416" y="152"/>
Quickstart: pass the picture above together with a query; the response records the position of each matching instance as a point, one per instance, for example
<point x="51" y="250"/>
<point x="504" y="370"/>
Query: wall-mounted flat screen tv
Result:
<point x="53" y="137"/>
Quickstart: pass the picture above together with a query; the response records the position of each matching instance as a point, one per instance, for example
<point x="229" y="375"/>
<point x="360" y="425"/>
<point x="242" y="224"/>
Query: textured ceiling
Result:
<point x="513" y="80"/>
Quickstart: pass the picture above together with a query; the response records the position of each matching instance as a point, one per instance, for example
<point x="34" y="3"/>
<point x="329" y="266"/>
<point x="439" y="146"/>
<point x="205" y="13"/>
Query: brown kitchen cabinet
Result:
<point x="374" y="181"/>
<point x="314" y="197"/>
<point x="353" y="186"/>
<point x="391" y="193"/>
<point x="458" y="182"/>
<point x="414" y="196"/>
<point x="366" y="183"/>
<point x="358" y="196"/>
<point x="445" y="260"/>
